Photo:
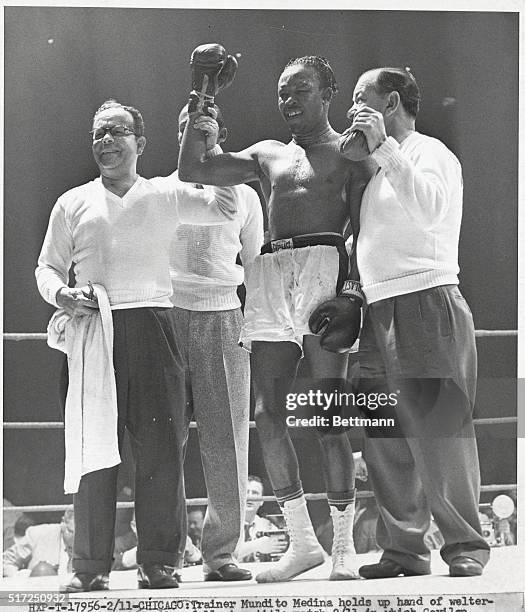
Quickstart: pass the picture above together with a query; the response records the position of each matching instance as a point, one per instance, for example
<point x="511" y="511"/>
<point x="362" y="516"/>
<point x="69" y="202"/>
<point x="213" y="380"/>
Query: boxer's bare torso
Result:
<point x="307" y="184"/>
<point x="304" y="186"/>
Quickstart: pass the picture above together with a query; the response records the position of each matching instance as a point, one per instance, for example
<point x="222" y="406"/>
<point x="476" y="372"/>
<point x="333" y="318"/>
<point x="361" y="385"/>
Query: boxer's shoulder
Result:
<point x="269" y="151"/>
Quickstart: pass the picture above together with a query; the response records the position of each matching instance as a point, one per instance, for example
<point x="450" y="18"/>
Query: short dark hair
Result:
<point x="321" y="66"/>
<point x="138" y="121"/>
<point x="21" y="525"/>
<point x="402" y="81"/>
<point x="252" y="478"/>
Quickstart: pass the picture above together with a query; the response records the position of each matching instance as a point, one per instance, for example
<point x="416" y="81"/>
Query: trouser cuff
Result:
<point x="92" y="566"/>
<point x="480" y="555"/>
<point x="158" y="556"/>
<point x="418" y="565"/>
<point x="211" y="565"/>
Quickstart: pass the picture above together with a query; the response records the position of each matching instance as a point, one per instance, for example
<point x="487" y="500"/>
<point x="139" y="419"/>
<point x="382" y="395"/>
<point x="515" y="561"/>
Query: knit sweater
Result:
<point x="123" y="243"/>
<point x="410" y="218"/>
<point x="203" y="268"/>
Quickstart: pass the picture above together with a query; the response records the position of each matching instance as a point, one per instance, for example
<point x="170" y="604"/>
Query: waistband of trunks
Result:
<point x="305" y="240"/>
<point x="297" y="242"/>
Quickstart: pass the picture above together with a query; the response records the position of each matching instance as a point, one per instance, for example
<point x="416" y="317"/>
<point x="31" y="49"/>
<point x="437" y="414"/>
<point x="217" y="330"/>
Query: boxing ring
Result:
<point x="311" y="588"/>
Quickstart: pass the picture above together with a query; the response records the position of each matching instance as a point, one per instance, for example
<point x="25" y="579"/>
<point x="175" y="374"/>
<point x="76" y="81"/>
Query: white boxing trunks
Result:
<point x="287" y="281"/>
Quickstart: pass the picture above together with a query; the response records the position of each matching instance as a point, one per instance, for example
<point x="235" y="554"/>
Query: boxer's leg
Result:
<point x="273" y="367"/>
<point x="327" y="371"/>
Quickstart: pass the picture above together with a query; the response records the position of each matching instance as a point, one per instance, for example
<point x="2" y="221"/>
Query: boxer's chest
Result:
<point x="317" y="169"/>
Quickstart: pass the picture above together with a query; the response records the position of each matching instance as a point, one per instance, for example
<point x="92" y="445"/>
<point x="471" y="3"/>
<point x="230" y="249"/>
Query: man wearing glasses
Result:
<point x="115" y="231"/>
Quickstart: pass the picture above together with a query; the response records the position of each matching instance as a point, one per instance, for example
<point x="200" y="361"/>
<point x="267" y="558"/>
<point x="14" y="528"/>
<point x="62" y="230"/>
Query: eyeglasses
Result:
<point x="116" y="131"/>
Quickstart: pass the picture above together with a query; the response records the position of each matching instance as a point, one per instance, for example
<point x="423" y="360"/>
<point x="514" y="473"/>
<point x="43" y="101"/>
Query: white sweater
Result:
<point x="203" y="268"/>
<point x="123" y="243"/>
<point x="410" y="218"/>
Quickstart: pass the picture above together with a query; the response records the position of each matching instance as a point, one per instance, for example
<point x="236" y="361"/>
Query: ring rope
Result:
<point x="203" y="501"/>
<point x="59" y="425"/>
<point x="480" y="333"/>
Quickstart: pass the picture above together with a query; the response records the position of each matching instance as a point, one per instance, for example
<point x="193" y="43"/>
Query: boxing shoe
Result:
<point x="228" y="573"/>
<point x="82" y="582"/>
<point x="304" y="552"/>
<point x="156" y="576"/>
<point x="343" y="549"/>
<point x="465" y="566"/>
<point x="386" y="568"/>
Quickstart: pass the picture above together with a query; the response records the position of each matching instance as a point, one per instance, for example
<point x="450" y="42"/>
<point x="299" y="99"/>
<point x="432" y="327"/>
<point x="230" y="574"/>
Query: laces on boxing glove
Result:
<point x="352" y="289"/>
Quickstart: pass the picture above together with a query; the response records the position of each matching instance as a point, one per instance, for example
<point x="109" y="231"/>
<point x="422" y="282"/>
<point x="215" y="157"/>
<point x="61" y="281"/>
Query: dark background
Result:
<point x="62" y="63"/>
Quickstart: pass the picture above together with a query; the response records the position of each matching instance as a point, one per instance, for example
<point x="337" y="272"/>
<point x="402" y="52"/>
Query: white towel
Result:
<point x="91" y="438"/>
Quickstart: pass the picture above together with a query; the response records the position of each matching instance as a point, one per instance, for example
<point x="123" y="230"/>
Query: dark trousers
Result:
<point x="421" y="347"/>
<point x="150" y="397"/>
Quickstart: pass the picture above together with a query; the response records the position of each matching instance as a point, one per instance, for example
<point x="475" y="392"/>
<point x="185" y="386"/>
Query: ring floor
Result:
<point x="505" y="574"/>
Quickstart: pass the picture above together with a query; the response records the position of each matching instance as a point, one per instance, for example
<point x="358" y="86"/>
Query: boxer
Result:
<point x="310" y="191"/>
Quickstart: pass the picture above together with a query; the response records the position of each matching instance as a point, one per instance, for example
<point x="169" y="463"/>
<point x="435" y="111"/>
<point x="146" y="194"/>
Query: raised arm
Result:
<point x="224" y="169"/>
<point x="212" y="69"/>
<point x="425" y="185"/>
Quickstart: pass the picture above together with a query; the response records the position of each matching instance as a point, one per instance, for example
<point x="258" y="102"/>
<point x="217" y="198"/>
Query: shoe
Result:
<point x="82" y="582"/>
<point x="465" y="566"/>
<point x="228" y="573"/>
<point x="304" y="552"/>
<point x="343" y="550"/>
<point x="386" y="568"/>
<point x="156" y="576"/>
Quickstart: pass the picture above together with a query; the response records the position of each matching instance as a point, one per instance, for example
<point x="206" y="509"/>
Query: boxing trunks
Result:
<point x="287" y="281"/>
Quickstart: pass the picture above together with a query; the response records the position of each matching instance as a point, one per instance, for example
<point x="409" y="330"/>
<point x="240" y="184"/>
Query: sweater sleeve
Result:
<point x="252" y="233"/>
<point x="56" y="255"/>
<point x="200" y="204"/>
<point x="423" y="183"/>
<point x="207" y="205"/>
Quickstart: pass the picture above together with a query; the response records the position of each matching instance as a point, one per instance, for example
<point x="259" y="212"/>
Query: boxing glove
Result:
<point x="353" y="145"/>
<point x="338" y="320"/>
<point x="211" y="70"/>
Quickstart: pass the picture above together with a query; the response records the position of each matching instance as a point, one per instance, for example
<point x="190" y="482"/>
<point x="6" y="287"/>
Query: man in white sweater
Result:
<point x="208" y="318"/>
<point x="116" y="232"/>
<point x="418" y="334"/>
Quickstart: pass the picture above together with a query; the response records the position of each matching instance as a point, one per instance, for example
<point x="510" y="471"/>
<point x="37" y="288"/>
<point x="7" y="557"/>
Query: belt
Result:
<point x="326" y="239"/>
<point x="297" y="242"/>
